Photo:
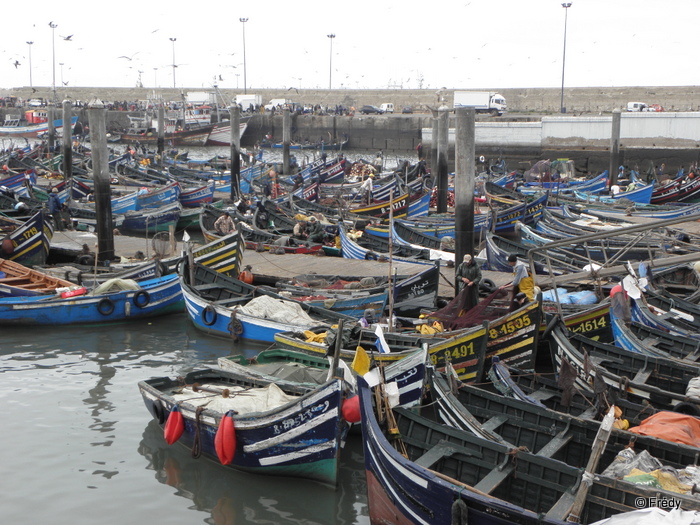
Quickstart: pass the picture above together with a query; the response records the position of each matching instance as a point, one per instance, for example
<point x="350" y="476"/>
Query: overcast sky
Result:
<point x="467" y="44"/>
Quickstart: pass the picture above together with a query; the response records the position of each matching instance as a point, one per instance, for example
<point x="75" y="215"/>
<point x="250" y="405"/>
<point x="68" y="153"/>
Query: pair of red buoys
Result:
<point x="224" y="441"/>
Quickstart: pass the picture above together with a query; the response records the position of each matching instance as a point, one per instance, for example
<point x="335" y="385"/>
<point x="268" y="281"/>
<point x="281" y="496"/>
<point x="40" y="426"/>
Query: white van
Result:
<point x="387" y="107"/>
<point x="636" y="106"/>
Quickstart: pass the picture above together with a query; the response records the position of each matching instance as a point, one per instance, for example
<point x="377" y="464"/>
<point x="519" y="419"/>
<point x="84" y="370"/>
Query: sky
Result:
<point x="468" y="44"/>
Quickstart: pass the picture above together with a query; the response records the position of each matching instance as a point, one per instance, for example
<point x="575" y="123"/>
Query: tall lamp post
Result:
<point x="566" y="6"/>
<point x="53" y="58"/>
<point x="245" y="82"/>
<point x="174" y="66"/>
<point x="330" y="67"/>
<point x="31" y="85"/>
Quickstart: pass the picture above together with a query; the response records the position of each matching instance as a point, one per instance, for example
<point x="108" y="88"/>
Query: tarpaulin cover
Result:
<point x="679" y="428"/>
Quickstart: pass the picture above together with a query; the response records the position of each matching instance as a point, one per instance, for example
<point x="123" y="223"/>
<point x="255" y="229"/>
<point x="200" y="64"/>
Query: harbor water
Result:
<point x="79" y="447"/>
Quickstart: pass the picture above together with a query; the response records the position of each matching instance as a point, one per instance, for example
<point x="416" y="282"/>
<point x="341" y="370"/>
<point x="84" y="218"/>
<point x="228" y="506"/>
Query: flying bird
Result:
<point x="221" y="79"/>
<point x="65" y="83"/>
<point x="17" y="63"/>
<point x="131" y="57"/>
<point x="66" y="37"/>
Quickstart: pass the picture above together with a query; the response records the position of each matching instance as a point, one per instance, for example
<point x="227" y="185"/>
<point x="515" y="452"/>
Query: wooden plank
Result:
<point x="441" y="450"/>
<point x="494" y="422"/>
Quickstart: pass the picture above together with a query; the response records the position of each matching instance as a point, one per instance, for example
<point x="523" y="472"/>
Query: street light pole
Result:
<point x="330" y="72"/>
<point x="174" y="66"/>
<point x="566" y="6"/>
<point x="53" y="58"/>
<point x="31" y="86"/>
<point x="245" y="81"/>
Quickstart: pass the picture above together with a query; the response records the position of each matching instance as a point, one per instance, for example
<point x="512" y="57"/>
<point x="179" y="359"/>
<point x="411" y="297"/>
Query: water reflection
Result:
<point x="234" y="497"/>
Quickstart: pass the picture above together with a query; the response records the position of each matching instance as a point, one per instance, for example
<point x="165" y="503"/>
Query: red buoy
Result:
<point x="174" y="426"/>
<point x="225" y="440"/>
<point x="351" y="409"/>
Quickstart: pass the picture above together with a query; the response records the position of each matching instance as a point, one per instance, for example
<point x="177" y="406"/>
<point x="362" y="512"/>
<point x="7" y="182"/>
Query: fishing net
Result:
<point x="454" y="316"/>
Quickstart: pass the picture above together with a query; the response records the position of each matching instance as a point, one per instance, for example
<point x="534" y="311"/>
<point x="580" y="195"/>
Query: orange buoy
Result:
<point x="351" y="409"/>
<point x="225" y="439"/>
<point x="616" y="289"/>
<point x="174" y="426"/>
<point x="246" y="276"/>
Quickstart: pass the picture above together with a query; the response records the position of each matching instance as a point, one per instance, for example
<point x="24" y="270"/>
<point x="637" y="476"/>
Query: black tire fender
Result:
<point x="105" y="306"/>
<point x="487" y="285"/>
<point x="142" y="298"/>
<point x="158" y="412"/>
<point x="209" y="315"/>
<point x="691" y="409"/>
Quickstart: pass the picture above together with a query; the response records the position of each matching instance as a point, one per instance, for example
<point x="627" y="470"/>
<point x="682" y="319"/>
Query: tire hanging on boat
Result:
<point x="142" y="298"/>
<point x="174" y="426"/>
<point x="225" y="439"/>
<point x="105" y="306"/>
<point x="209" y="315"/>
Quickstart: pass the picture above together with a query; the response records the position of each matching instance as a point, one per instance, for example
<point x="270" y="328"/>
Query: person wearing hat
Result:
<point x="55" y="206"/>
<point x="468" y="277"/>
<point x="316" y="230"/>
<point x="224" y="224"/>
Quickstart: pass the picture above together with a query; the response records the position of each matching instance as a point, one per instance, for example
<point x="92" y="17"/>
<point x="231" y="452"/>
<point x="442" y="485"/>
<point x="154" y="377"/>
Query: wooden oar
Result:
<point x="599" y="444"/>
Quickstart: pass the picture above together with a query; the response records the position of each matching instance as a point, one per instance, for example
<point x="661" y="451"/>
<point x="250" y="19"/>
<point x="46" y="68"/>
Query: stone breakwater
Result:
<point x="592" y="100"/>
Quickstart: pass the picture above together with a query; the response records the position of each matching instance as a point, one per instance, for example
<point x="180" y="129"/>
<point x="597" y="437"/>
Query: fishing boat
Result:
<point x="26" y="242"/>
<point x="251" y="424"/>
<point x="152" y="220"/>
<point x="421" y="471"/>
<point x="33" y="130"/>
<point x="226" y="307"/>
<point x="280" y="364"/>
<point x="18" y="280"/>
<point x="112" y="302"/>
<point x="551" y="434"/>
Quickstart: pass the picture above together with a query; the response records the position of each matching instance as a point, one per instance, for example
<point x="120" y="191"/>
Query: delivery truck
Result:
<point x="248" y="102"/>
<point x="481" y="101"/>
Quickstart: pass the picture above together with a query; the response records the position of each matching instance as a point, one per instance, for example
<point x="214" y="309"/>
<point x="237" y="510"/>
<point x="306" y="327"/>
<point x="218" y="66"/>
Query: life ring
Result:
<point x="105" y="306"/>
<point x="211" y="312"/>
<point x="142" y="298"/>
<point x="487" y="285"/>
<point x="371" y="256"/>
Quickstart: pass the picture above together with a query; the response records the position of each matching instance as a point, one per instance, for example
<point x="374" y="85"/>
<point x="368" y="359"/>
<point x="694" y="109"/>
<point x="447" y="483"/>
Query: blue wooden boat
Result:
<point x="420" y="471"/>
<point x="221" y="305"/>
<point x="146" y="299"/>
<point x="152" y="220"/>
<point x="26" y="242"/>
<point x="353" y="250"/>
<point x="195" y="197"/>
<point x="299" y="432"/>
<point x="640" y="195"/>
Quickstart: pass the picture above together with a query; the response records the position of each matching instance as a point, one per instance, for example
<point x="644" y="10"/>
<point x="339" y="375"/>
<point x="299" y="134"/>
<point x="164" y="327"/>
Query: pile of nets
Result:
<point x="454" y="316"/>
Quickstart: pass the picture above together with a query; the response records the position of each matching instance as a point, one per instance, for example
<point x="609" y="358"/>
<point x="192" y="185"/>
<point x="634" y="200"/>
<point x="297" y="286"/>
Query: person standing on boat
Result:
<point x="55" y="206"/>
<point x="224" y="224"/>
<point x="469" y="277"/>
<point x="522" y="278"/>
<point x="366" y="189"/>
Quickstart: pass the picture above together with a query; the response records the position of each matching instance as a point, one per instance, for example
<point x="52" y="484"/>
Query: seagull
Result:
<point x="221" y="79"/>
<point x="131" y="57"/>
<point x="66" y="37"/>
<point x="17" y="63"/>
<point x="65" y="83"/>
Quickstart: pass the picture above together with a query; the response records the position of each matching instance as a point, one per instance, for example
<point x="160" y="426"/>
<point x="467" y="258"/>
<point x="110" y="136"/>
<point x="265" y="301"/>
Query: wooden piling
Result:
<point x="614" y="147"/>
<point x="465" y="136"/>
<point x="286" y="139"/>
<point x="52" y="129"/>
<point x="235" y="116"/>
<point x="100" y="168"/>
<point x="161" y="131"/>
<point x="67" y="142"/>
<point x="442" y="157"/>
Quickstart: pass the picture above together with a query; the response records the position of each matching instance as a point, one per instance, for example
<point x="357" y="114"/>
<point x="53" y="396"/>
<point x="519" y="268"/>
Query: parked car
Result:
<point x="368" y="109"/>
<point x="407" y="109"/>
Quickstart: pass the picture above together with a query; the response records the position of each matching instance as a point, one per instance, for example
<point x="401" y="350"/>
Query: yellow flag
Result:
<point x="360" y="362"/>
